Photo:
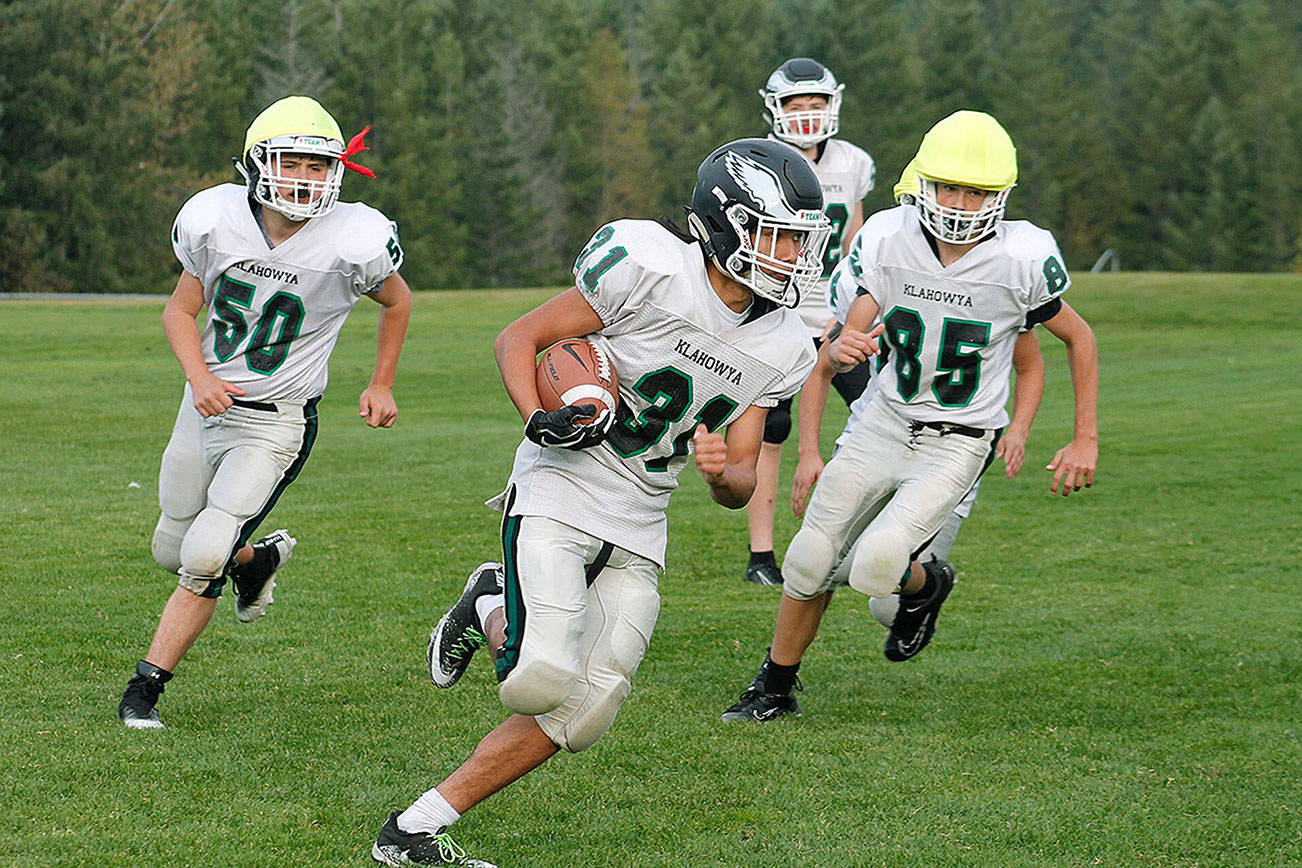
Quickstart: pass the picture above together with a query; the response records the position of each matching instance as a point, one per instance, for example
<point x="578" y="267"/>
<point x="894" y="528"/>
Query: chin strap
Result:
<point x="356" y="146"/>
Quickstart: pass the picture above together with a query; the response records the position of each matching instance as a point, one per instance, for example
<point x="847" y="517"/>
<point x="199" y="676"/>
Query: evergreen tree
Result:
<point x="867" y="45"/>
<point x="1272" y="116"/>
<point x="294" y="62"/>
<point x="621" y="179"/>
<point x="95" y="124"/>
<point x="504" y="134"/>
<point x="702" y="82"/>
<point x="1064" y="169"/>
<point x="957" y="53"/>
<point x="416" y="103"/>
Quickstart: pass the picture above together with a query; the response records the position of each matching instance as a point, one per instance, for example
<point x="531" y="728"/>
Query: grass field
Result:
<point x="1117" y="679"/>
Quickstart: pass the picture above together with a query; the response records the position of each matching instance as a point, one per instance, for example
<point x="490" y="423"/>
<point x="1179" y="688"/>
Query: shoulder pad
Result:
<point x="368" y="232"/>
<point x="1025" y="241"/>
<point x="882" y="224"/>
<point x="651" y="246"/>
<point x="207" y="208"/>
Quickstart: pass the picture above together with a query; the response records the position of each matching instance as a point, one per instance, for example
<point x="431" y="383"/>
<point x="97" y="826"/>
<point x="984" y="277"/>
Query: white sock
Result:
<point x="486" y="604"/>
<point x="430" y="813"/>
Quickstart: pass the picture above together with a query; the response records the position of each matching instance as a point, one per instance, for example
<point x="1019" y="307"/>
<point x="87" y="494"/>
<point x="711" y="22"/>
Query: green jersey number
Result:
<point x="591" y="275"/>
<point x="904" y="333"/>
<point x="839" y="216"/>
<point x="1055" y="275"/>
<point x="669" y="392"/>
<point x="958" y="365"/>
<point x="275" y="328"/>
<point x="960" y="361"/>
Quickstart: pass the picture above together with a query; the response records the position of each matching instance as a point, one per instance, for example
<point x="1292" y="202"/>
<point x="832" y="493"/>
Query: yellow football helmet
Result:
<point x="970" y="149"/>
<point x="906" y="189"/>
<point x="293" y="125"/>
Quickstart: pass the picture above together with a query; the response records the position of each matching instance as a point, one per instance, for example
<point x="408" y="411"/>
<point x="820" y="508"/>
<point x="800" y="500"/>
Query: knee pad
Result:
<point x="166" y="544"/>
<point x="606" y="693"/>
<point x="537" y="686"/>
<point x="777" y="424"/>
<point x="207" y="546"/>
<point x="808" y="564"/>
<point x="629" y="611"/>
<point x="880" y="559"/>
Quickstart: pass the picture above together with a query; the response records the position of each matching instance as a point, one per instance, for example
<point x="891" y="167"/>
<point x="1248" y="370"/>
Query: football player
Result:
<point x="700" y="330"/>
<point x="279" y="262"/>
<point x="954" y="284"/>
<point x="802" y="102"/>
<point x="1028" y="364"/>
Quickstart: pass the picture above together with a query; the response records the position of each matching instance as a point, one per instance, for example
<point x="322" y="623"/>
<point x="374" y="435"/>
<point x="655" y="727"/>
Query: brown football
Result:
<point x="577" y="371"/>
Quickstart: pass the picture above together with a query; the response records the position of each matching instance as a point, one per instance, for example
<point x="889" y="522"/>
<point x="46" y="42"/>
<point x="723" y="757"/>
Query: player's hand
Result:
<point x="558" y="428"/>
<point x="808" y="470"/>
<point x="1012" y="448"/>
<point x="711" y="452"/>
<point x="377" y="407"/>
<point x="853" y="347"/>
<point x="212" y="394"/>
<point x="1073" y="466"/>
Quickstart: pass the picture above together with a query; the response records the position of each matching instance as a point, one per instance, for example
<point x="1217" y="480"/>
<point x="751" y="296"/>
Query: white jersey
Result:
<point x="274" y="313"/>
<point x="683" y="358"/>
<point x="847" y="174"/>
<point x="948" y="344"/>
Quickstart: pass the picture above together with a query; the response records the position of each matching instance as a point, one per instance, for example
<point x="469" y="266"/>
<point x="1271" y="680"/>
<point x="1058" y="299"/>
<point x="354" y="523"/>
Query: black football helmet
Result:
<point x="749" y="193"/>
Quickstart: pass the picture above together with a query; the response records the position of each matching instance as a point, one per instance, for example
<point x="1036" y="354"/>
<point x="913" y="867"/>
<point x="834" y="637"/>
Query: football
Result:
<point x="577" y="371"/>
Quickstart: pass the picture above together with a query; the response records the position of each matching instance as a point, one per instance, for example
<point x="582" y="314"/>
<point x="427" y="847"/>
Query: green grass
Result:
<point x="1117" y="679"/>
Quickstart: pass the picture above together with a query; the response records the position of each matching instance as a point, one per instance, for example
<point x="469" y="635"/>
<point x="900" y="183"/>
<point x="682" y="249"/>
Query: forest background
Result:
<point x="504" y="133"/>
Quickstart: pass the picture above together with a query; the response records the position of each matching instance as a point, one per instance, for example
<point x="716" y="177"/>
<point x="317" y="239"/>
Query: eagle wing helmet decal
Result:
<point x="760" y="182"/>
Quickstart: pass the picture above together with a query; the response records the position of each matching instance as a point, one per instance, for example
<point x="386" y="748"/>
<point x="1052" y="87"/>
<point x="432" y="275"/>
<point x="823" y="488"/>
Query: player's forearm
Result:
<point x="863" y="310"/>
<point x="733" y="488"/>
<point x="390" y="335"/>
<point x="516" y="355"/>
<point x="1083" y="359"/>
<point x="183" y="337"/>
<point x="812" y="403"/>
<point x="1027" y="392"/>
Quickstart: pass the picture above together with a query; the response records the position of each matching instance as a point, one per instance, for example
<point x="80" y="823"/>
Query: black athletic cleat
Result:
<point x="136" y="710"/>
<point x="396" y="847"/>
<point x="255" y="581"/>
<point x="915" y="622"/>
<point x="458" y="634"/>
<point x="764" y="574"/>
<point x="755" y="704"/>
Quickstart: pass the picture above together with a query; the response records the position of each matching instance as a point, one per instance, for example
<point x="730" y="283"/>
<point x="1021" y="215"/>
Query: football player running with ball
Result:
<point x="699" y="328"/>
<point x="954" y="285"/>
<point x="279" y="263"/>
<point x="802" y="102"/>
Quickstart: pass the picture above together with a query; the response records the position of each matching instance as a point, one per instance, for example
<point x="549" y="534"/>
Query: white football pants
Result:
<point x="219" y="478"/>
<point x="579" y="614"/>
<point x="890" y="488"/>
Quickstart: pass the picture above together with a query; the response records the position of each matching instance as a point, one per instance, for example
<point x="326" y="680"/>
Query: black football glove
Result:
<point x="559" y="429"/>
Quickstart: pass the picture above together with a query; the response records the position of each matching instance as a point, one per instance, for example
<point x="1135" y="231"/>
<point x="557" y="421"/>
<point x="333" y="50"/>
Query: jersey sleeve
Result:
<point x="190" y="234"/>
<point x="377" y="254"/>
<point x="791" y="382"/>
<point x="615" y="270"/>
<point x="849" y="280"/>
<point x="1048" y="276"/>
<point x="865" y="175"/>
